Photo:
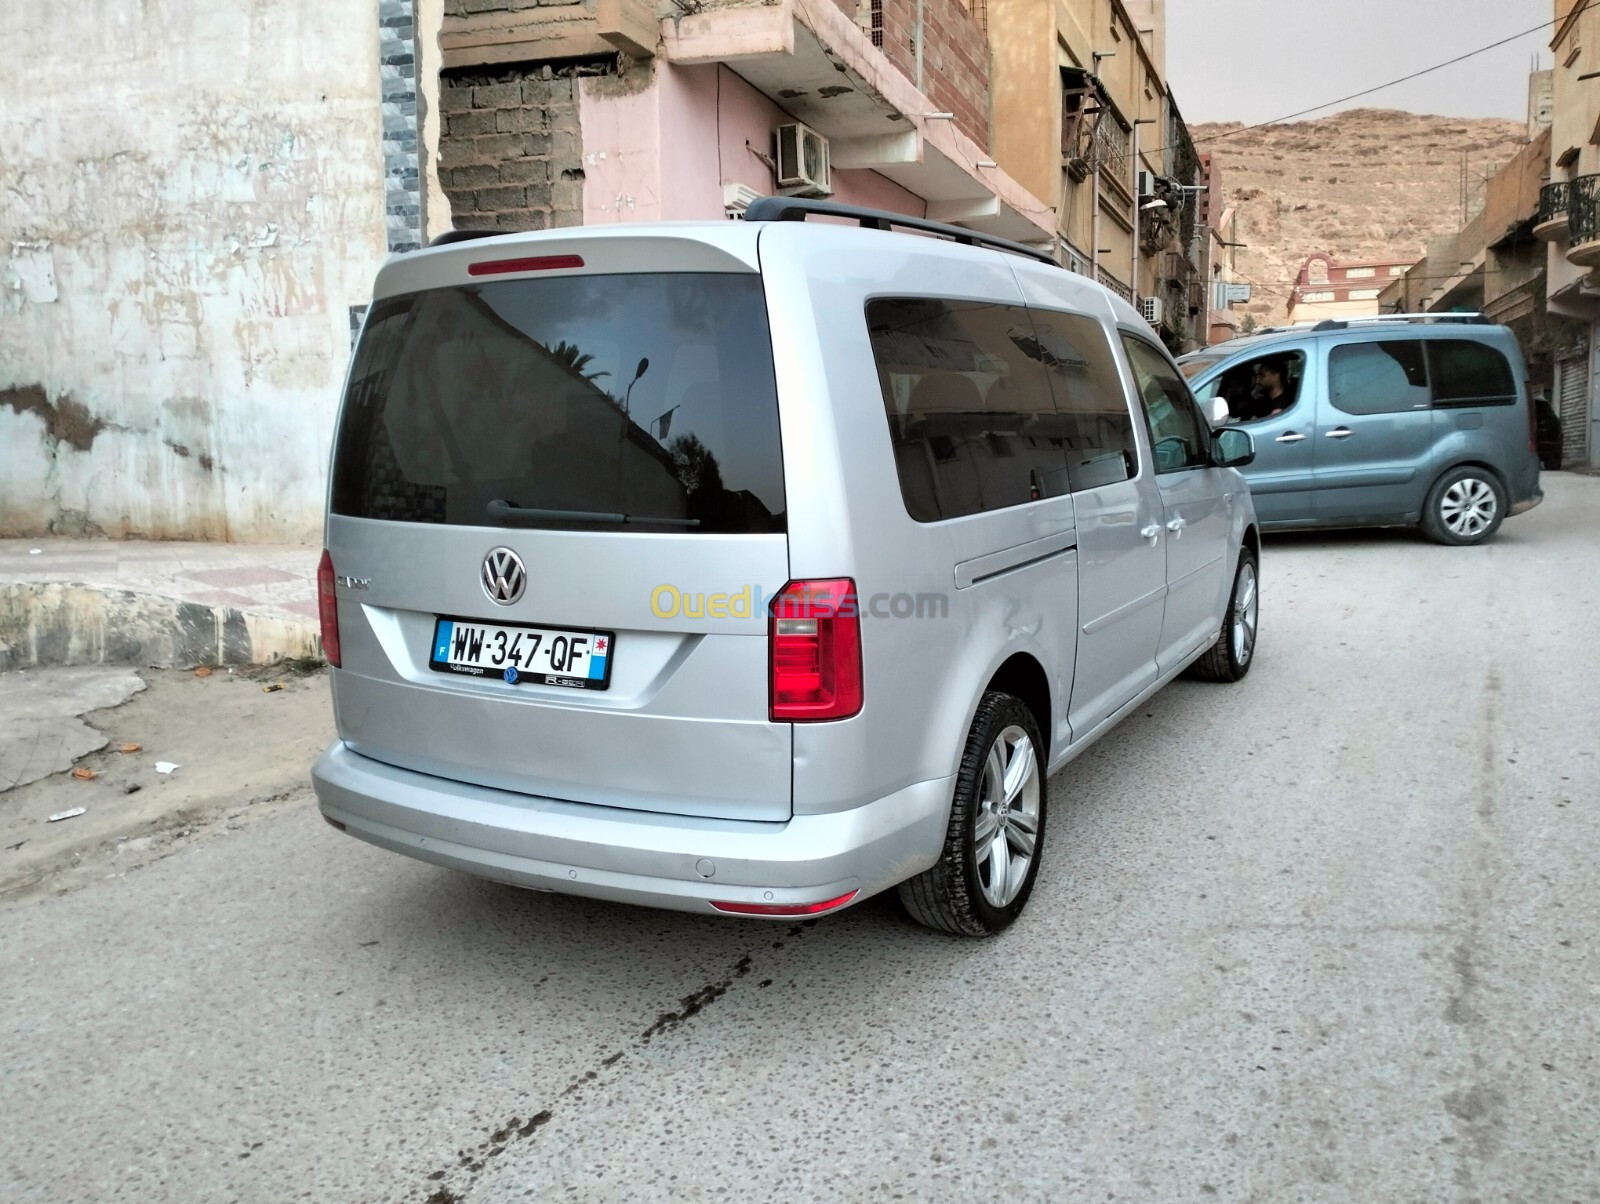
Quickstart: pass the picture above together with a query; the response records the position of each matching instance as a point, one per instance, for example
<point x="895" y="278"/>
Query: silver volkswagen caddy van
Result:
<point x="758" y="567"/>
<point x="1401" y="420"/>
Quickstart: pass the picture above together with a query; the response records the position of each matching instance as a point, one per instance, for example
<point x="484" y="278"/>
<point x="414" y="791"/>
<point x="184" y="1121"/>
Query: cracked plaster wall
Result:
<point x="193" y="201"/>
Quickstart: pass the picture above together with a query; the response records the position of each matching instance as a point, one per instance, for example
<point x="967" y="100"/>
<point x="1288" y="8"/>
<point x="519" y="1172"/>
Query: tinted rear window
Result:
<point x="970" y="412"/>
<point x="573" y="400"/>
<point x="1467" y="373"/>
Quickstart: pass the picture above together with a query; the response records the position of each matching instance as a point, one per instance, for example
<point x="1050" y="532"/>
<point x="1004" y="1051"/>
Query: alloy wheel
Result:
<point x="1246" y="614"/>
<point x="1006" y="823"/>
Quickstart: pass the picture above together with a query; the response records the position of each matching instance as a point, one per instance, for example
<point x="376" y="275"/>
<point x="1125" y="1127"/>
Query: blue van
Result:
<point x="1402" y="420"/>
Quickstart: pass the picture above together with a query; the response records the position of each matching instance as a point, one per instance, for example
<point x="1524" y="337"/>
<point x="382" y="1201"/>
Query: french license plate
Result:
<point x="553" y="656"/>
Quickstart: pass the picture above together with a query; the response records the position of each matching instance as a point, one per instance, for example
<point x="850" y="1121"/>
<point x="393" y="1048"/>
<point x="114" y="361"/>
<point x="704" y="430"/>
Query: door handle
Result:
<point x="1340" y="432"/>
<point x="1152" y="533"/>
<point x="1176" y="526"/>
<point x="1291" y="437"/>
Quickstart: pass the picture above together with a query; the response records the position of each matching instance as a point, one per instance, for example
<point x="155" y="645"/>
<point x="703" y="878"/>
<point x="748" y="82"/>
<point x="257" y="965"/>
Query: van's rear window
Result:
<point x="631" y="402"/>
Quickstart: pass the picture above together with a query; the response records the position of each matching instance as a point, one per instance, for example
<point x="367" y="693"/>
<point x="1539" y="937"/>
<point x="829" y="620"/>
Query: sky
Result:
<point x="1257" y="60"/>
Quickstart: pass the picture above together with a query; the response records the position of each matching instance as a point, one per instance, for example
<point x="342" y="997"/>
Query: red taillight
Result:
<point x="814" y="633"/>
<point x="784" y="909"/>
<point x="328" y="609"/>
<point x="538" y="263"/>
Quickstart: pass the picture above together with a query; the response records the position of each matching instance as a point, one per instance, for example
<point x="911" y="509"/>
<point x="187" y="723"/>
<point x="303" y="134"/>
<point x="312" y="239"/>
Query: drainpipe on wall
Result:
<point x="1094" y="217"/>
<point x="1134" y="279"/>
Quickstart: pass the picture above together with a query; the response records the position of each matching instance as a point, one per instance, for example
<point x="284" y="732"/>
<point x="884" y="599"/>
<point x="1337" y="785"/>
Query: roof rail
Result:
<point x="793" y="209"/>
<point x="1424" y="319"/>
<point x="1284" y="329"/>
<point x="450" y="236"/>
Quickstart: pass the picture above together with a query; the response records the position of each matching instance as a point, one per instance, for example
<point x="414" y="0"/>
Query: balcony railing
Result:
<point x="1583" y="219"/>
<point x="1554" y="200"/>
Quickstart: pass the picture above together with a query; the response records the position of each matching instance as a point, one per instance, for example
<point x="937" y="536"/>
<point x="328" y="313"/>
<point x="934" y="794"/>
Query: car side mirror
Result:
<point x="1232" y="448"/>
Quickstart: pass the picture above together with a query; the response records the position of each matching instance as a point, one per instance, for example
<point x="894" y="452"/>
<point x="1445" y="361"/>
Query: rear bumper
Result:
<point x="1529" y="502"/>
<point x="634" y="856"/>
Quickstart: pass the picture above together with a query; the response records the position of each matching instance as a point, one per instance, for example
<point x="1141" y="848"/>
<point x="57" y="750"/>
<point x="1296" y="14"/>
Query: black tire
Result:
<point x="1454" y="512"/>
<point x="1230" y="658"/>
<point x="952" y="895"/>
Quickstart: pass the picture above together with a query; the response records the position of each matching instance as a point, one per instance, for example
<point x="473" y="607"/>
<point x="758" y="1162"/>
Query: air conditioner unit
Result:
<point x="1147" y="185"/>
<point x="736" y="198"/>
<point x="1151" y="309"/>
<point x="802" y="161"/>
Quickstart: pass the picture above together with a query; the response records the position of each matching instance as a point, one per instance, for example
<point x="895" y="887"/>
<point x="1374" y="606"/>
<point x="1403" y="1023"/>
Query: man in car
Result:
<point x="1269" y="392"/>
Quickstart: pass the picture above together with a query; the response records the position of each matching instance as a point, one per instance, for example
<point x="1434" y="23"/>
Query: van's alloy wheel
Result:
<point x="996" y="835"/>
<point x="1230" y="657"/>
<point x="1464" y="507"/>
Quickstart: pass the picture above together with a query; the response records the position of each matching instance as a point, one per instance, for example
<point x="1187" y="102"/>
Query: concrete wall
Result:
<point x="194" y="201"/>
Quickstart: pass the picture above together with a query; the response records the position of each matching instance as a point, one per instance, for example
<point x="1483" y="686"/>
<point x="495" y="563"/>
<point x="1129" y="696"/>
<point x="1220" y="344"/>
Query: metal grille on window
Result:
<point x="877" y="23"/>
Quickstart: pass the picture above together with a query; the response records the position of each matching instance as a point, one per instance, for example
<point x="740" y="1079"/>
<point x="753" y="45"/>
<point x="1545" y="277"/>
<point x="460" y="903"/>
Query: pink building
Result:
<point x="621" y="110"/>
<point x="1330" y="288"/>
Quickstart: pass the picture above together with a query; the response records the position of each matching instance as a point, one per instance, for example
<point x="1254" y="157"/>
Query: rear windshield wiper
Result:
<point x="507" y="512"/>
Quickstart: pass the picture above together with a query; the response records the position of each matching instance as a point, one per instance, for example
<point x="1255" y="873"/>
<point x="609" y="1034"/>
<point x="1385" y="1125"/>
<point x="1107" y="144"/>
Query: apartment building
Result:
<point x="628" y="110"/>
<point x="1083" y="118"/>
<point x="1568" y="220"/>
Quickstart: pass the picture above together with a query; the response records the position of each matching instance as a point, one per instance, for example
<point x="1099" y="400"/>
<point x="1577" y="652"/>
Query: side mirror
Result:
<point x="1218" y="412"/>
<point x="1232" y="448"/>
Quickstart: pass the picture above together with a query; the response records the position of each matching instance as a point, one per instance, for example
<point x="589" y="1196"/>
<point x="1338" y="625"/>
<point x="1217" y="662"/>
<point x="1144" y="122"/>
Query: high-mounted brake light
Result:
<point x="784" y="909"/>
<point x="814" y="637"/>
<point x="328" y="609"/>
<point x="539" y="263"/>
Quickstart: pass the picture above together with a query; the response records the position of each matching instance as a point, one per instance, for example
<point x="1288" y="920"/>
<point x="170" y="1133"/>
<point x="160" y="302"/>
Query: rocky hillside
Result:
<point x="1361" y="185"/>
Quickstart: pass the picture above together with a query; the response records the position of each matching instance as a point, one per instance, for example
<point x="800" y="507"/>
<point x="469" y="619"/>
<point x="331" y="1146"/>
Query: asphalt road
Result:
<point x="1333" y="934"/>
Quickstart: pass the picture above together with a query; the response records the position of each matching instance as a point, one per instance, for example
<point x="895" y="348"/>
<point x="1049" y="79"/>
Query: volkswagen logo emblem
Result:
<point x="504" y="578"/>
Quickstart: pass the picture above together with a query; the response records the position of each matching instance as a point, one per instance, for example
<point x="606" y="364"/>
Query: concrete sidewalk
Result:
<point x="97" y="601"/>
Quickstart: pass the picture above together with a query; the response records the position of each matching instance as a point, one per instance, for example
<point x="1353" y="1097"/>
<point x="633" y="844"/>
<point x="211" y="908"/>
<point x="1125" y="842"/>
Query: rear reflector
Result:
<point x="784" y="909"/>
<point x="328" y="609"/>
<point x="539" y="263"/>
<point x="814" y="636"/>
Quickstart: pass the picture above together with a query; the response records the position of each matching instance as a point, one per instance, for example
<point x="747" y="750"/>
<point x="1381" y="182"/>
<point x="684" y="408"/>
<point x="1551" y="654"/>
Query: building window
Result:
<point x="1306" y="298"/>
<point x="1111" y="144"/>
<point x="1360" y="273"/>
<point x="1363" y="294"/>
<point x="877" y="23"/>
<point x="1397" y="270"/>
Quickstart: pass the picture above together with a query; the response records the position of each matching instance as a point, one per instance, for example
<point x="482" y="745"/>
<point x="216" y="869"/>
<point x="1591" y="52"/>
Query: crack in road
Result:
<point x="473" y="1161"/>
<point x="1477" y="1108"/>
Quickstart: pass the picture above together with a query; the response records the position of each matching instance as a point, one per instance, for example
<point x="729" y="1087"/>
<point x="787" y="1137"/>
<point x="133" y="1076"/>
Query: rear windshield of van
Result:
<point x="619" y="402"/>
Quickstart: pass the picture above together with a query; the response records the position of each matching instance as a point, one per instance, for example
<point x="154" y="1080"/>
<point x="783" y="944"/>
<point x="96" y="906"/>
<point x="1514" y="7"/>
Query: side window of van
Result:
<point x="1098" y="426"/>
<point x="1179" y="437"/>
<point x="1378" y="378"/>
<point x="970" y="412"/>
<point x="1465" y="373"/>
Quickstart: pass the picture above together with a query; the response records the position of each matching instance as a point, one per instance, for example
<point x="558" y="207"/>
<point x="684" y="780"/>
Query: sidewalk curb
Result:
<point x="72" y="624"/>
